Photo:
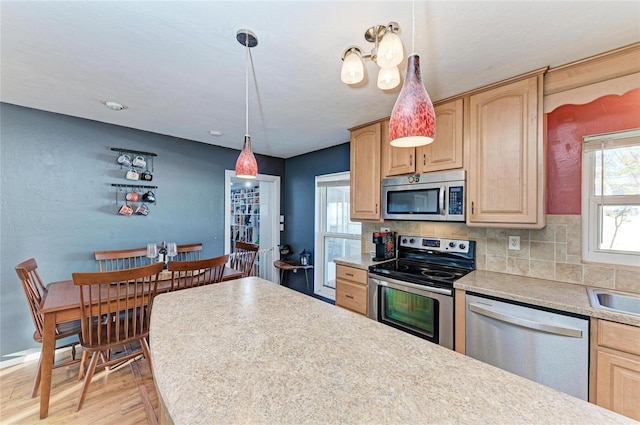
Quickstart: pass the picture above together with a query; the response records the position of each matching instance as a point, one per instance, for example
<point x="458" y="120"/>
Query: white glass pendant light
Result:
<point x="352" y="67"/>
<point x="390" y="51"/>
<point x="388" y="78"/>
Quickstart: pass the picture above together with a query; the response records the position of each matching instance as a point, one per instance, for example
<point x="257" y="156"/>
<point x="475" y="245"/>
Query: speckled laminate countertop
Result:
<point x="358" y="261"/>
<point x="251" y="351"/>
<point x="546" y="293"/>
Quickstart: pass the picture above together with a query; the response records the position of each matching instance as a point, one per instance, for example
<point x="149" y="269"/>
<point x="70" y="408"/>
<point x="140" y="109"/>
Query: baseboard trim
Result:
<point x="26" y="356"/>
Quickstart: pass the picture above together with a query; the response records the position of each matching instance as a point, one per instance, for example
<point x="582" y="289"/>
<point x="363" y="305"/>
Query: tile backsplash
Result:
<point x="552" y="253"/>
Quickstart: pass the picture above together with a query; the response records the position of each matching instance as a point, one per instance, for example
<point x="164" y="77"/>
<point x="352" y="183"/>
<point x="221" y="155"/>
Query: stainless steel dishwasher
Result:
<point x="546" y="346"/>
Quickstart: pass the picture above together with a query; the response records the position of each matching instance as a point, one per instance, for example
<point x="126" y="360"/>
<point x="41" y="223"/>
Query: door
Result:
<point x="252" y="212"/>
<point x="506" y="173"/>
<point x="547" y="347"/>
<point x="365" y="173"/>
<point x="445" y="153"/>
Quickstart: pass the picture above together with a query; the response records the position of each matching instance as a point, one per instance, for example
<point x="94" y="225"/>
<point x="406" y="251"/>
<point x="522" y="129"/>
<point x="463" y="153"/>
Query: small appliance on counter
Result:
<point x="385" y="243"/>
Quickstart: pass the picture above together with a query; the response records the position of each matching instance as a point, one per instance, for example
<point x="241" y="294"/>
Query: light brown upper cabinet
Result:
<point x="445" y="153"/>
<point x="506" y="174"/>
<point x="365" y="171"/>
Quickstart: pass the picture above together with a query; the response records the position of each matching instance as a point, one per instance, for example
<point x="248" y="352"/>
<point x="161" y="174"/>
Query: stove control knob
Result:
<point x="404" y="241"/>
<point x="412" y="241"/>
<point x="462" y="246"/>
<point x="452" y="244"/>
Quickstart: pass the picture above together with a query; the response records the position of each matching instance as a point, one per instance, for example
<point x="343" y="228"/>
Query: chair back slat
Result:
<point x="121" y="259"/>
<point x="244" y="257"/>
<point x="189" y="274"/>
<point x="189" y="252"/>
<point x="116" y="305"/>
<point x="34" y="290"/>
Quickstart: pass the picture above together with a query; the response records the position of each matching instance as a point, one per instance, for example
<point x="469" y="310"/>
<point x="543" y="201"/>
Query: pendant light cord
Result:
<point x="413" y="26"/>
<point x="246" y="86"/>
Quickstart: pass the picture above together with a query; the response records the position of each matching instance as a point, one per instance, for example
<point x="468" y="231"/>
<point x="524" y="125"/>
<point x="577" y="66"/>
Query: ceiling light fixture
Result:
<point x="387" y="53"/>
<point x="114" y="106"/>
<point x="413" y="120"/>
<point x="246" y="165"/>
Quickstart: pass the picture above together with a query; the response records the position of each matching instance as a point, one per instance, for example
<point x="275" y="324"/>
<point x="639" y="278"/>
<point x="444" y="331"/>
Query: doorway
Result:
<point x="252" y="214"/>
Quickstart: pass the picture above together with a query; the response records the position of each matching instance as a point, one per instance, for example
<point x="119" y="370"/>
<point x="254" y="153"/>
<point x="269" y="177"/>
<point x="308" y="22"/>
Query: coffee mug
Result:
<point x="149" y="197"/>
<point x="146" y="175"/>
<point x="125" y="210"/>
<point x="132" y="175"/>
<point x="142" y="210"/>
<point x="139" y="161"/>
<point x="132" y="196"/>
<point x="125" y="160"/>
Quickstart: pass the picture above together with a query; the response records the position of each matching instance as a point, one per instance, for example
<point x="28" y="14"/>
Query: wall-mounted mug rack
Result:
<point x="134" y="186"/>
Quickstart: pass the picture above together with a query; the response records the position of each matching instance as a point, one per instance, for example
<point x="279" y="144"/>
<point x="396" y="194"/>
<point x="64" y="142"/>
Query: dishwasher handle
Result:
<point x="543" y="327"/>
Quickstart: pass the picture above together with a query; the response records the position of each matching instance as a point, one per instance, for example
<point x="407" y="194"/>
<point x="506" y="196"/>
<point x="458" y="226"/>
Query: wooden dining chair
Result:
<point x="244" y="256"/>
<point x="35" y="290"/>
<point x="189" y="252"/>
<point x="189" y="274"/>
<point x="115" y="310"/>
<point x="121" y="259"/>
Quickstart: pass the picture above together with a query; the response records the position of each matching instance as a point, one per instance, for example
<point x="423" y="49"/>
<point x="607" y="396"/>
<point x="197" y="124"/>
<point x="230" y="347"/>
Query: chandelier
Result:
<point x="387" y="53"/>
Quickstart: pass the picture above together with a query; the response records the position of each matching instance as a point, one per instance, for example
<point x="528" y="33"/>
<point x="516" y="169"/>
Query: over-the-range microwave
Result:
<point x="437" y="196"/>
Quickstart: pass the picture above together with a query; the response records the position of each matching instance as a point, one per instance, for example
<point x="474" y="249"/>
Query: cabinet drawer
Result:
<point x="619" y="336"/>
<point x="351" y="273"/>
<point x="351" y="296"/>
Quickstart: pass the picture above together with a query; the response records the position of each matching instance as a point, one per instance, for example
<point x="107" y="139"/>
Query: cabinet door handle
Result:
<point x="473" y="211"/>
<point x="348" y="296"/>
<point x="424" y="159"/>
<point x="376" y="208"/>
<point x="410" y="159"/>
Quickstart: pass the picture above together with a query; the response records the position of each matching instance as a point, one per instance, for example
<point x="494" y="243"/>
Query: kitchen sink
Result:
<point x="621" y="302"/>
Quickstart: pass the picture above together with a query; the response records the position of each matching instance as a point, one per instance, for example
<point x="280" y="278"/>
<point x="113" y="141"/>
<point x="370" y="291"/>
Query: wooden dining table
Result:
<point x="61" y="303"/>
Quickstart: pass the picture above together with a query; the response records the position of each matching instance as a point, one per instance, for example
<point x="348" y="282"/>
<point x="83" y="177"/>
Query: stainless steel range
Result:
<point x="414" y="292"/>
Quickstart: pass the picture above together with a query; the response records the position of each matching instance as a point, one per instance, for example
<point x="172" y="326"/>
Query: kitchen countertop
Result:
<point x="545" y="293"/>
<point x="251" y="351"/>
<point x="362" y="261"/>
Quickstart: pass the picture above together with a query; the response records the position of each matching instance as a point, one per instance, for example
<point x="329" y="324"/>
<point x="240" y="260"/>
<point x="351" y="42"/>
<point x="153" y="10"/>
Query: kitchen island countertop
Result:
<point x="251" y="351"/>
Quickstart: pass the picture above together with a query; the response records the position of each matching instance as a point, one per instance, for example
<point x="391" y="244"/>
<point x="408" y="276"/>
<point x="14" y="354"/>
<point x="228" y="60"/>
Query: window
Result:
<point x="336" y="235"/>
<point x="611" y="198"/>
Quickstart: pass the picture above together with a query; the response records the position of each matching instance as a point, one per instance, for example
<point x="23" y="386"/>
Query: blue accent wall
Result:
<point x="299" y="210"/>
<point x="57" y="204"/>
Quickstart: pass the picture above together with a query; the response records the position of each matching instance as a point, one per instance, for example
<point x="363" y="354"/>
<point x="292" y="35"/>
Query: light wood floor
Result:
<point x="116" y="397"/>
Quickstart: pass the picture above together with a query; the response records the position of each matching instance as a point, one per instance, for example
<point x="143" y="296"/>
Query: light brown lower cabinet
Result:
<point x="615" y="367"/>
<point x="351" y="289"/>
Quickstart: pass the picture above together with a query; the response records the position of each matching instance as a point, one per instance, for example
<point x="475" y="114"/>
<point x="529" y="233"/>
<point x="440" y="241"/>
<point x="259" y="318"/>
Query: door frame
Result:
<point x="272" y="204"/>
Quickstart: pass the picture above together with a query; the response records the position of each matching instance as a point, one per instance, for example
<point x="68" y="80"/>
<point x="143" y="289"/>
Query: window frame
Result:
<point x="591" y="203"/>
<point x="320" y="226"/>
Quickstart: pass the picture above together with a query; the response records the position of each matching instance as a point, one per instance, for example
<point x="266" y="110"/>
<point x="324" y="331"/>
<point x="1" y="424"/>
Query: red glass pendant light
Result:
<point x="413" y="120"/>
<point x="246" y="165"/>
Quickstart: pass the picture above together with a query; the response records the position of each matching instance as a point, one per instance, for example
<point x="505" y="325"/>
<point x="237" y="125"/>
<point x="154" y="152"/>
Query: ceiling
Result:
<point x="178" y="70"/>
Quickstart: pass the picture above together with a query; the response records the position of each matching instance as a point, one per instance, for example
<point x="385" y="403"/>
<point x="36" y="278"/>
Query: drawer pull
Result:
<point x="349" y="274"/>
<point x="348" y="296"/>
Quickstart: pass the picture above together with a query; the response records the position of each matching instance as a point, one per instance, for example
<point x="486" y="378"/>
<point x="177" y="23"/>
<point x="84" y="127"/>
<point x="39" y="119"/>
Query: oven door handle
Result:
<point x="423" y="288"/>
<point x="442" y="190"/>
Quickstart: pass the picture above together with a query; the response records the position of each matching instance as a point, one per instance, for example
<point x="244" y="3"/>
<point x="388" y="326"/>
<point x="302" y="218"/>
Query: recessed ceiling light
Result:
<point x="215" y="133"/>
<point x="114" y="106"/>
